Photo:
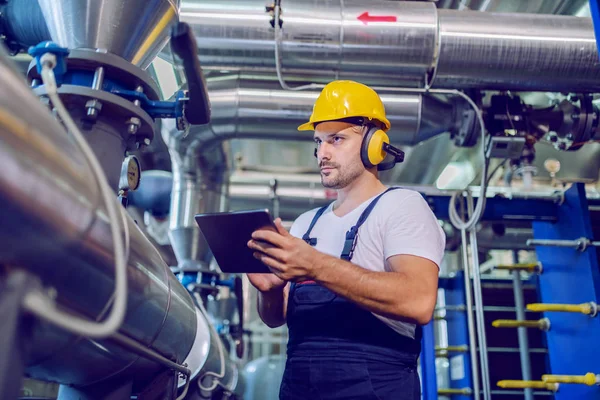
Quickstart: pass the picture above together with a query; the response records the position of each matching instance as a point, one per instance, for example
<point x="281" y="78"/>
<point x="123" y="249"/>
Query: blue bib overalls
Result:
<point x="338" y="350"/>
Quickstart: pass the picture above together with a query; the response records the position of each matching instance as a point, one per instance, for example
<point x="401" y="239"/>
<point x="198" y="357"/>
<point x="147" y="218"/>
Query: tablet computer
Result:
<point x="227" y="234"/>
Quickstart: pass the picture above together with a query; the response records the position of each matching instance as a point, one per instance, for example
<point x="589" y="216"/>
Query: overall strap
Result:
<point x="352" y="234"/>
<point x="306" y="237"/>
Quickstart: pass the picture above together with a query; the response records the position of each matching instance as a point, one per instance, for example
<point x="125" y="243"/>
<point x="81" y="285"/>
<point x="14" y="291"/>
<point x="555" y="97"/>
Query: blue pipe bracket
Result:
<point x="570" y="276"/>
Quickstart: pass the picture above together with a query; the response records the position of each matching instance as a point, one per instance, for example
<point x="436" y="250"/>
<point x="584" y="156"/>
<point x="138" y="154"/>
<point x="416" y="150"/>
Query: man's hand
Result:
<point x="288" y="257"/>
<point x="266" y="282"/>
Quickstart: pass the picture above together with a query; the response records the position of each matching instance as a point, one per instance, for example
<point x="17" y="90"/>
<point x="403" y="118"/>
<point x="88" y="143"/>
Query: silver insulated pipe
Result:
<point x="397" y="43"/>
<point x="55" y="227"/>
<point x="253" y="107"/>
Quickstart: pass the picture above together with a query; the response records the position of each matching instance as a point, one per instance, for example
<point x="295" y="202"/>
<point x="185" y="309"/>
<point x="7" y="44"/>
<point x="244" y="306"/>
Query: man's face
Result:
<point x="338" y="152"/>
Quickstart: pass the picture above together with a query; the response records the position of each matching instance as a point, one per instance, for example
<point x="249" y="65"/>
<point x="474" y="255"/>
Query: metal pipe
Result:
<point x="580" y="244"/>
<point x="200" y="181"/>
<point x="51" y="200"/>
<point x="256" y="107"/>
<point x="522" y="332"/>
<point x="479" y="316"/>
<point x="416" y="45"/>
<point x="470" y="318"/>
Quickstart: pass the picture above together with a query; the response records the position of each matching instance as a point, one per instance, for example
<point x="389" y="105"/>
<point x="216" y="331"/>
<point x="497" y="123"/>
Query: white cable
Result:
<point x="217" y="377"/>
<point x="455" y="219"/>
<point x="282" y="82"/>
<point x="35" y="301"/>
<point x="185" y="388"/>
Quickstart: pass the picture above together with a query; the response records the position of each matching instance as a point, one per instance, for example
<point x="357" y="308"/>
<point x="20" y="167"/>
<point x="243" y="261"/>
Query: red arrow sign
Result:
<point x="366" y="18"/>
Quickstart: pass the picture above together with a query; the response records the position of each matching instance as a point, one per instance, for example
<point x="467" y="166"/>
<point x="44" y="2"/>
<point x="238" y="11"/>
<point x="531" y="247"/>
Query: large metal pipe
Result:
<point x="200" y="185"/>
<point x="54" y="226"/>
<point x="135" y="30"/>
<point x="411" y="44"/>
<point x="260" y="109"/>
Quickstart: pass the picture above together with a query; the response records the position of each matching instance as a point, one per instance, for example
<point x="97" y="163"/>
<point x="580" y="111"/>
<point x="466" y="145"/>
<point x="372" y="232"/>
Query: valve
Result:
<point x="590" y="308"/>
<point x="589" y="379"/>
<point x="514" y="384"/>
<point x="543" y="324"/>
<point x="529" y="267"/>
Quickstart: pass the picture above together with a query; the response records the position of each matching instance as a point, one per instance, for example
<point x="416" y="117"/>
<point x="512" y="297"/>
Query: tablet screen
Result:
<point x="227" y="234"/>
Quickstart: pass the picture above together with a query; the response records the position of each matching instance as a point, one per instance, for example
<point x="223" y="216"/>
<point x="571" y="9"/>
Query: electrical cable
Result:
<point x="284" y="85"/>
<point x="217" y="377"/>
<point x="37" y="302"/>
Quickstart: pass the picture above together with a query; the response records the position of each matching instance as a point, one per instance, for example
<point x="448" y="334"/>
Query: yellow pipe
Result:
<point x="160" y="26"/>
<point x="584" y="308"/>
<point x="589" y="379"/>
<point x="511" y="384"/>
<point x="449" y="391"/>
<point x="530" y="267"/>
<point x="543" y="324"/>
<point x="454" y="349"/>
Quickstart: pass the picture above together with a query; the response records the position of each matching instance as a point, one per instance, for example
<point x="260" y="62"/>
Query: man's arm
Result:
<point x="272" y="306"/>
<point x="406" y="293"/>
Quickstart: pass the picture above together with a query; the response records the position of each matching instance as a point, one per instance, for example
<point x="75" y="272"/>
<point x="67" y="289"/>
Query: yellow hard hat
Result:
<point x="345" y="99"/>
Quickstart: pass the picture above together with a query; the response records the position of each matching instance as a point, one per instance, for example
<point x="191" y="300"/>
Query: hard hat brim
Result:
<point x="309" y="126"/>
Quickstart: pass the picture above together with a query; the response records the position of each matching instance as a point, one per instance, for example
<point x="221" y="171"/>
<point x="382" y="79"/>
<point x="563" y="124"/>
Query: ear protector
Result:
<point x="375" y="148"/>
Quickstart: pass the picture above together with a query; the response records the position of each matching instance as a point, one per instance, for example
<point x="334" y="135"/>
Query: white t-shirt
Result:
<point x="400" y="223"/>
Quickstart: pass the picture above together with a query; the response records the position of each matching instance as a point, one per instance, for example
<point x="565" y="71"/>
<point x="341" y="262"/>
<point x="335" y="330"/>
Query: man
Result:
<point x="354" y="280"/>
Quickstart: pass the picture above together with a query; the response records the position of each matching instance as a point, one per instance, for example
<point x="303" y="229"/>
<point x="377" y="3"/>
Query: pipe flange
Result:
<point x="121" y="111"/>
<point x="115" y="68"/>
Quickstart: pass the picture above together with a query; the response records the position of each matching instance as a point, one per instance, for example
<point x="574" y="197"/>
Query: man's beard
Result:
<point x="343" y="178"/>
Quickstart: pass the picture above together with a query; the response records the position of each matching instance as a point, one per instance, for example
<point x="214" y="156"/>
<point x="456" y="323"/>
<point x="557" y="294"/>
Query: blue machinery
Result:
<point x="568" y="288"/>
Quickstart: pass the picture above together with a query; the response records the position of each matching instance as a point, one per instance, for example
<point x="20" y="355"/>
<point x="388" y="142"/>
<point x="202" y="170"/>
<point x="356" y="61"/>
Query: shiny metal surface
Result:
<point x="200" y="185"/>
<point x="54" y="225"/>
<point x="135" y="29"/>
<point x="476" y="49"/>
<point x="564" y="7"/>
<point x="493" y="51"/>
<point x="331" y="42"/>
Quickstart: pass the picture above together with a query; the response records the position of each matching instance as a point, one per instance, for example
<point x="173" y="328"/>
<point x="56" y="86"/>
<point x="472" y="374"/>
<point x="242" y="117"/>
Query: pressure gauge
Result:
<point x="130" y="174"/>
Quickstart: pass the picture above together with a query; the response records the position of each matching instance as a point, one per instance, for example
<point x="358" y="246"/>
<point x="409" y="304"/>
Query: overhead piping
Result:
<point x="416" y="45"/>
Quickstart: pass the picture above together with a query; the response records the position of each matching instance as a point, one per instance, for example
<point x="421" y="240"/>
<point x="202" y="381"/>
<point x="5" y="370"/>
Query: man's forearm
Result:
<point x="271" y="306"/>
<point x="390" y="294"/>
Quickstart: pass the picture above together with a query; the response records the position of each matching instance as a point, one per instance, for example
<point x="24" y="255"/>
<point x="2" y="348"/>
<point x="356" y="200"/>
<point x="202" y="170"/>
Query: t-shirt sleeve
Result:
<point x="412" y="228"/>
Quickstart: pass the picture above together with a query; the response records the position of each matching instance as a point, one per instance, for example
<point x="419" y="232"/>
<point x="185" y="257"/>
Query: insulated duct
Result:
<point x="402" y="43"/>
<point x="54" y="227"/>
<point x="260" y="109"/>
